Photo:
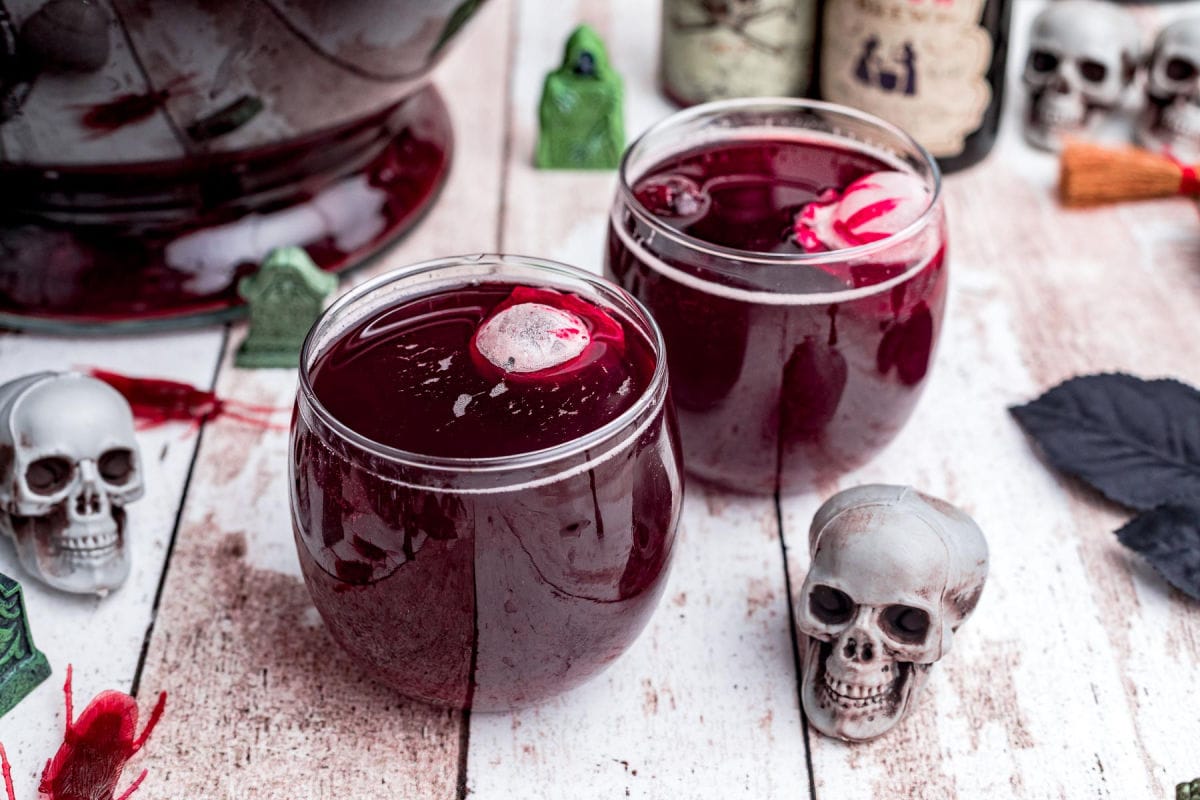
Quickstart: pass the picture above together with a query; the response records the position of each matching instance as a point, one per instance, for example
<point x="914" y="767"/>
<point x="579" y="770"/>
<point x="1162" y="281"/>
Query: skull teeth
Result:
<point x="1055" y="117"/>
<point x="90" y="543"/>
<point x="1180" y="123"/>
<point x="856" y="695"/>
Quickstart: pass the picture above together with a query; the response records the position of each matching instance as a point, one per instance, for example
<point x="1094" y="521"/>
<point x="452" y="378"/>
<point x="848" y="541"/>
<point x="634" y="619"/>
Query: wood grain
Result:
<point x="1069" y="680"/>
<point x="704" y="704"/>
<point x="102" y="638"/>
<point x="1075" y="678"/>
<point x="263" y="704"/>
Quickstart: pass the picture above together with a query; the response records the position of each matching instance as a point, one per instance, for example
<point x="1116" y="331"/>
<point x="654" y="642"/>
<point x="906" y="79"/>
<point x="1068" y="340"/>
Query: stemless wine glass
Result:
<point x="787" y="368"/>
<point x="486" y="583"/>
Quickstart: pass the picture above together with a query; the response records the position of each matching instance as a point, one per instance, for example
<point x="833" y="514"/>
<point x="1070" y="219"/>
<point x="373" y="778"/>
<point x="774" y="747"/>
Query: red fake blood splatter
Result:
<point x="605" y="335"/>
<point x="126" y="109"/>
<point x="95" y="749"/>
<point x="156" y="401"/>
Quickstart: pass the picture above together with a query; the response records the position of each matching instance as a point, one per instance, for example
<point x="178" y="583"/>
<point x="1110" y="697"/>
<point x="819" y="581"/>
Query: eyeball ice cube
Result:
<point x="542" y="334"/>
<point x="530" y="337"/>
<point x="874" y="207"/>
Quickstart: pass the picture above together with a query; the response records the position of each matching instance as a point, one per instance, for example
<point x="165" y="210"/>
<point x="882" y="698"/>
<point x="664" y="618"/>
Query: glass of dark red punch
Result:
<point x="794" y="255"/>
<point x="485" y="477"/>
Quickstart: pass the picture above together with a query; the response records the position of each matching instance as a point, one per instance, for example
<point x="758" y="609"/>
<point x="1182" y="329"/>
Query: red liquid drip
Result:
<point x="129" y="108"/>
<point x="155" y="401"/>
<point x="779" y="396"/>
<point x="484" y="600"/>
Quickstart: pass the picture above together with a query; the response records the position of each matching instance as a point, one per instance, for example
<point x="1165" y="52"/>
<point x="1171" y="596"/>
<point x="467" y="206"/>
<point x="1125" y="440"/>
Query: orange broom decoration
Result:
<point x="1091" y="174"/>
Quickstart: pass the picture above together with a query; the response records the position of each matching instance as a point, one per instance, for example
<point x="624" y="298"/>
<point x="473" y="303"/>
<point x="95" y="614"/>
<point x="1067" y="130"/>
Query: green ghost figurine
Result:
<point x="22" y="665"/>
<point x="286" y="296"/>
<point x="581" y="115"/>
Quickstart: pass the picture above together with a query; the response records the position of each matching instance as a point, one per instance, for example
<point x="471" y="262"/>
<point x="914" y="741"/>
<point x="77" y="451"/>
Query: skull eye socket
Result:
<point x="831" y="606"/>
<point x="1179" y="69"/>
<point x="116" y="466"/>
<point x="1093" y="71"/>
<point x="49" y="475"/>
<point x="1042" y="61"/>
<point x="905" y="623"/>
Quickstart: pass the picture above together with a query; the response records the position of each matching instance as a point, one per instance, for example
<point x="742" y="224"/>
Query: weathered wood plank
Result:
<point x="704" y="704"/>
<point x="264" y="705"/>
<point x="1072" y="680"/>
<point x="1069" y="680"/>
<point x="102" y="637"/>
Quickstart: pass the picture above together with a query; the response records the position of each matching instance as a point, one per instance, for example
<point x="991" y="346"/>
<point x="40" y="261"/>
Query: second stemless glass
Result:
<point x="486" y="583"/>
<point x="786" y="368"/>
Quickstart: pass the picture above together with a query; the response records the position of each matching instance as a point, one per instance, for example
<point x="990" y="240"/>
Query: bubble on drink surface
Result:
<point x="531" y="337"/>
<point x="673" y="197"/>
<point x="874" y="207"/>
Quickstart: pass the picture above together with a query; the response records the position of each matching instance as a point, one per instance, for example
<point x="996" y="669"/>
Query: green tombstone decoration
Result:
<point x="1188" y="791"/>
<point x="22" y="666"/>
<point x="581" y="114"/>
<point x="286" y="296"/>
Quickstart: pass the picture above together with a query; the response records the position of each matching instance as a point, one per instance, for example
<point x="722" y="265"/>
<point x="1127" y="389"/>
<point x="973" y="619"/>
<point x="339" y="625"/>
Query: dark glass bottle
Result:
<point x="933" y="67"/>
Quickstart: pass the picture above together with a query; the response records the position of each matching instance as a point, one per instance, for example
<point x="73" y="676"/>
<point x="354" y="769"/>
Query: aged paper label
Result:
<point x="920" y="64"/>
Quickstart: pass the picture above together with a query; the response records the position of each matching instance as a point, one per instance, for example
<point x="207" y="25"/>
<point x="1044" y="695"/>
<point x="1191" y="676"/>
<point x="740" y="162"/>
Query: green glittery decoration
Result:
<point x="1188" y="791"/>
<point x="22" y="665"/>
<point x="286" y="296"/>
<point x="581" y="114"/>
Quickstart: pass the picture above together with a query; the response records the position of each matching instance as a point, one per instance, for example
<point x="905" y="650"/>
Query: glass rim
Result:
<point x="491" y="464"/>
<point x="683" y="116"/>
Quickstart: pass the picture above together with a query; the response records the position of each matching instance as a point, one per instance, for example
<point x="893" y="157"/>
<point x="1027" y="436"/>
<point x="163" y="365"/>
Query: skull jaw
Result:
<point x="1054" y="117"/>
<point x="841" y="718"/>
<point x="75" y="556"/>
<point x="1171" y="127"/>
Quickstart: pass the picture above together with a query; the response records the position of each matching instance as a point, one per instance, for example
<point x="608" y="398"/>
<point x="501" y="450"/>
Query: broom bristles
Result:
<point x="1091" y="174"/>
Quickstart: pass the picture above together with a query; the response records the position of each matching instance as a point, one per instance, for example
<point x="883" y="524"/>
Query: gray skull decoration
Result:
<point x="894" y="574"/>
<point x="69" y="464"/>
<point x="1083" y="55"/>
<point x="1170" y="120"/>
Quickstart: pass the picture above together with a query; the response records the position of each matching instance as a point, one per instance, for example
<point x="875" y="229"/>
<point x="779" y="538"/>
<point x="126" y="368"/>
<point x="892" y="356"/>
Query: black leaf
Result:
<point x="1169" y="538"/>
<point x="1135" y="441"/>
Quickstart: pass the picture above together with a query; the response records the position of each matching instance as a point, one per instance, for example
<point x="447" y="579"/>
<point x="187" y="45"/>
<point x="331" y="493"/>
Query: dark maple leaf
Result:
<point x="1169" y="538"/>
<point x="1135" y="441"/>
<point x="1138" y="443"/>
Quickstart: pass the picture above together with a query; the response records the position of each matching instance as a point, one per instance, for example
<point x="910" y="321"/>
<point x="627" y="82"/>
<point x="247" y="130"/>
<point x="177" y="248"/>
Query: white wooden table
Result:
<point x="1077" y="677"/>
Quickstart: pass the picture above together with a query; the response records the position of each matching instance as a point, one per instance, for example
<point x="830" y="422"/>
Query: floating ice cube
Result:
<point x="530" y="337"/>
<point x="460" y="405"/>
<point x="874" y="207"/>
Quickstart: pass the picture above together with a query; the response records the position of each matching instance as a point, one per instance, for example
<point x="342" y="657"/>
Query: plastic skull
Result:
<point x="68" y="465"/>
<point x="894" y="574"/>
<point x="1170" y="120"/>
<point x="1083" y="54"/>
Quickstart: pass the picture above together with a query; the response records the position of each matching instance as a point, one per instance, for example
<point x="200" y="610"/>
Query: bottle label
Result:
<point x="742" y="49"/>
<point x="920" y="64"/>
